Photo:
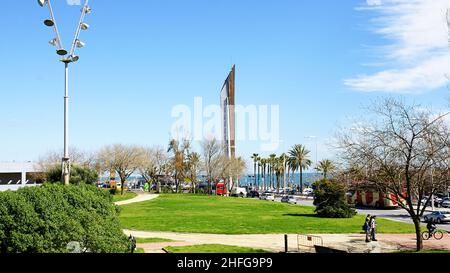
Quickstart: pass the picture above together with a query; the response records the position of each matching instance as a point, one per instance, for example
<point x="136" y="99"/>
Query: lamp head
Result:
<point x="61" y="52"/>
<point x="53" y="42"/>
<point x="84" y="26"/>
<point x="42" y="2"/>
<point x="79" y="44"/>
<point x="86" y="10"/>
<point x="49" y="23"/>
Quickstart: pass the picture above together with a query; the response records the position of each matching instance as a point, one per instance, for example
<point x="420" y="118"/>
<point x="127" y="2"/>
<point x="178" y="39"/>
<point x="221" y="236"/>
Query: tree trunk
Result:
<point x="419" y="244"/>
<point x="254" y="174"/>
<point x="301" y="180"/>
<point x="258" y="183"/>
<point x="122" y="181"/>
<point x="278" y="182"/>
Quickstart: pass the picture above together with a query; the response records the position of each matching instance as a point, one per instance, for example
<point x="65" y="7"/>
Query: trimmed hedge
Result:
<point x="46" y="219"/>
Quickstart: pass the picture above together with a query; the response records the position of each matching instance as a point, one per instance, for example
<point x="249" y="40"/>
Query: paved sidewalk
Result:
<point x="142" y="197"/>
<point x="352" y="243"/>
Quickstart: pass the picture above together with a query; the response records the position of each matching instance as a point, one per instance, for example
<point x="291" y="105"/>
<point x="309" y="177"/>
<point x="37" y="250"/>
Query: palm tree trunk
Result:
<point x="301" y="180"/>
<point x="278" y="181"/>
<point x="258" y="182"/>
<point x="264" y="178"/>
<point x="254" y="173"/>
<point x="289" y="176"/>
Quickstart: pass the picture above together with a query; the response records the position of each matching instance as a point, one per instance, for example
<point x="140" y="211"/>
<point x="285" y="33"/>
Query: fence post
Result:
<point x="285" y="243"/>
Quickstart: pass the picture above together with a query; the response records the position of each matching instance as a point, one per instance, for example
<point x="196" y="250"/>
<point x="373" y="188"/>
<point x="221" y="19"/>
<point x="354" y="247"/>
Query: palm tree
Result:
<point x="325" y="167"/>
<point x="259" y="173"/>
<point x="279" y="171"/>
<point x="264" y="165"/>
<point x="272" y="158"/>
<point x="255" y="161"/>
<point x="177" y="161"/>
<point x="193" y="163"/>
<point x="284" y="160"/>
<point x="300" y="161"/>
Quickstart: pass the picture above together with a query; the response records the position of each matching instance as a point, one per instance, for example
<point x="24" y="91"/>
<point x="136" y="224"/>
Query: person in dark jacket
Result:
<point x="366" y="228"/>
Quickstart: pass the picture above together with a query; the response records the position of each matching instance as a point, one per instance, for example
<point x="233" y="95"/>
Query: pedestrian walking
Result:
<point x="373" y="228"/>
<point x="367" y="229"/>
<point x="133" y="243"/>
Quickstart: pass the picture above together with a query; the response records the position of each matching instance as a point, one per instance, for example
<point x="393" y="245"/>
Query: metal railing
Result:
<point x="308" y="241"/>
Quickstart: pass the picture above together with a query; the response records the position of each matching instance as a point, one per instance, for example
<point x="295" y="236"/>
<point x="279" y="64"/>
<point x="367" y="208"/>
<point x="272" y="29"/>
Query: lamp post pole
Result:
<point x="67" y="58"/>
<point x="66" y="158"/>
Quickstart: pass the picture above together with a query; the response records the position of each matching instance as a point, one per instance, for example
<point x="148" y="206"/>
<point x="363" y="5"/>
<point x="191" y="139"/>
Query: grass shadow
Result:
<point x="302" y="215"/>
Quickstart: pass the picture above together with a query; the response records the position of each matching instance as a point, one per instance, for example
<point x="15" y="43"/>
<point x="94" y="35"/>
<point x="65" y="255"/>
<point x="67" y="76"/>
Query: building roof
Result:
<point x="18" y="167"/>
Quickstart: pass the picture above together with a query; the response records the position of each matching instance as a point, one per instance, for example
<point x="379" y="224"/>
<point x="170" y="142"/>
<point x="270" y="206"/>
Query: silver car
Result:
<point x="438" y="216"/>
<point x="445" y="204"/>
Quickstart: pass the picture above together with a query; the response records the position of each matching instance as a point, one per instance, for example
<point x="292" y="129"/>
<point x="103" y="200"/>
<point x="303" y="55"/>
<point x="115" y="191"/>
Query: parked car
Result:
<point x="445" y="202"/>
<point x="239" y="192"/>
<point x="438" y="216"/>
<point x="293" y="200"/>
<point x="427" y="203"/>
<point x="285" y="198"/>
<point x="308" y="191"/>
<point x="270" y="197"/>
<point x="253" y="194"/>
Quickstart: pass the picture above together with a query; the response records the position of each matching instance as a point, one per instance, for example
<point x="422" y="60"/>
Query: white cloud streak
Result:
<point x="418" y="57"/>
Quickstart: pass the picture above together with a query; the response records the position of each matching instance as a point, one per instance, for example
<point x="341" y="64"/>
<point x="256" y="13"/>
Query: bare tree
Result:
<point x="124" y="159"/>
<point x="236" y="169"/>
<point x="148" y="167"/>
<point x="212" y="152"/>
<point x="193" y="168"/>
<point x="404" y="152"/>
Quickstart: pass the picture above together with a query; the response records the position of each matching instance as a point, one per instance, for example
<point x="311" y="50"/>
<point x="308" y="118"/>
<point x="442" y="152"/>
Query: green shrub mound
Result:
<point x="330" y="200"/>
<point x="47" y="219"/>
<point x="78" y="175"/>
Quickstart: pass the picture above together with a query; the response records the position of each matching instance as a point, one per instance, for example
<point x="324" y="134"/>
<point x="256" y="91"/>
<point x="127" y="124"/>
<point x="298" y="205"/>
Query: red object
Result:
<point x="381" y="200"/>
<point x="369" y="197"/>
<point x="221" y="189"/>
<point x="359" y="200"/>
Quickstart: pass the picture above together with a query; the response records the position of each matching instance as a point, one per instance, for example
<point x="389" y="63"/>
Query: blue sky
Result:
<point x="320" y="61"/>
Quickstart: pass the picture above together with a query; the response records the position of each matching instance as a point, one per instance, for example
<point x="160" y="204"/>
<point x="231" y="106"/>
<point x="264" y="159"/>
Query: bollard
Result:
<point x="285" y="243"/>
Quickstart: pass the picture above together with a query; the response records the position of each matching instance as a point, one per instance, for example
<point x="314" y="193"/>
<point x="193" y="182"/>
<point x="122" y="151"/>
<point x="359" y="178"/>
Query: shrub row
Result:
<point x="46" y="219"/>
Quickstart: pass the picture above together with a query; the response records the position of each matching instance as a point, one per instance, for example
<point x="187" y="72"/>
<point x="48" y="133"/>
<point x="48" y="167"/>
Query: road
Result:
<point x="391" y="214"/>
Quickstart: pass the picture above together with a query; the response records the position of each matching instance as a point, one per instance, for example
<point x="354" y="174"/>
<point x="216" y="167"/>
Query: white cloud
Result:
<point x="373" y="2"/>
<point x="418" y="57"/>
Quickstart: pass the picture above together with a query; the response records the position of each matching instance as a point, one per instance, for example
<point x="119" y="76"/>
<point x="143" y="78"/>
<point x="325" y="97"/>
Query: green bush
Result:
<point x="330" y="200"/>
<point x="78" y="175"/>
<point x="46" y="219"/>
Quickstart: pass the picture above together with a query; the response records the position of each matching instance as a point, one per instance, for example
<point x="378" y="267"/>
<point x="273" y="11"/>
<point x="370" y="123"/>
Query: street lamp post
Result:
<point x="66" y="58"/>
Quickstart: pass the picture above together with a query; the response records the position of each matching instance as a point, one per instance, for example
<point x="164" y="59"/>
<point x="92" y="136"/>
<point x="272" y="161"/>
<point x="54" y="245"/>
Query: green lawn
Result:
<point x="126" y="196"/>
<point x="213" y="249"/>
<point x="152" y="240"/>
<point x="220" y="215"/>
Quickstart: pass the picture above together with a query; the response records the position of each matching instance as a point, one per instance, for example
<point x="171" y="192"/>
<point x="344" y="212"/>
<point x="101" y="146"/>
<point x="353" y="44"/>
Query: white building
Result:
<point x="15" y="175"/>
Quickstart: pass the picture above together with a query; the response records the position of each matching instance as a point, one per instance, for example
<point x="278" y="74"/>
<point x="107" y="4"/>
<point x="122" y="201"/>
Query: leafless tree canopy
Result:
<point x="404" y="151"/>
<point x="125" y="160"/>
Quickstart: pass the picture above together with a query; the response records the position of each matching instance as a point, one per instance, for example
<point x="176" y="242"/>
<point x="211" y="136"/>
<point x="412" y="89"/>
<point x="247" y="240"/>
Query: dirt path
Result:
<point x="142" y="197"/>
